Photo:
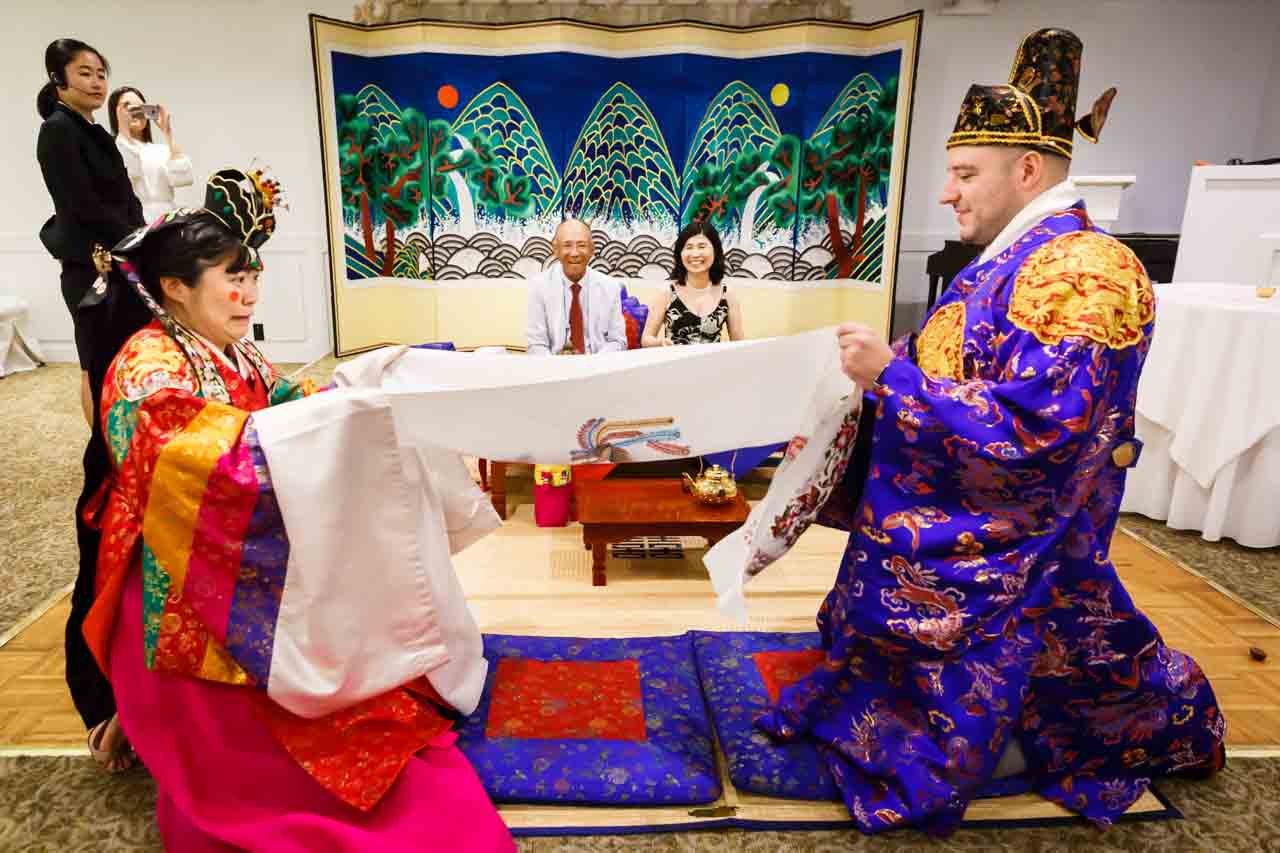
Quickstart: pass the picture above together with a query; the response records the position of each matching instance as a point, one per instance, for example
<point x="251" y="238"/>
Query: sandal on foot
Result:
<point x="118" y="760"/>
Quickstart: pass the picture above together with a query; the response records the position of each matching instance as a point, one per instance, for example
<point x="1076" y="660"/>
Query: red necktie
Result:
<point x="575" y="321"/>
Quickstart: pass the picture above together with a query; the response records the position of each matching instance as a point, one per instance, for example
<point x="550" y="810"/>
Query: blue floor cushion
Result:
<point x="568" y="720"/>
<point x="742" y="673"/>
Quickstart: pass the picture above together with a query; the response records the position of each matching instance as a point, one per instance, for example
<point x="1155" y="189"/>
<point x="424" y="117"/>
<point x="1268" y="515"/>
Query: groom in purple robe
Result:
<point x="978" y="638"/>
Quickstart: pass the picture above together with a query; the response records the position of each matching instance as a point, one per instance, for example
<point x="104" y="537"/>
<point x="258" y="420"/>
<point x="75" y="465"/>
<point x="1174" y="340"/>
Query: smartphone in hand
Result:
<point x="151" y="112"/>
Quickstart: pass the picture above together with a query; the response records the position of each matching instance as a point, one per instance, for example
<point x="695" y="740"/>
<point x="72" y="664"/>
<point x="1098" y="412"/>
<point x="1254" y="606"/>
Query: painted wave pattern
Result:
<point x="453" y="257"/>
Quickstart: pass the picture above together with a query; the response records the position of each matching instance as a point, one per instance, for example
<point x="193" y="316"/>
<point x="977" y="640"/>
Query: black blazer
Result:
<point x="93" y="199"/>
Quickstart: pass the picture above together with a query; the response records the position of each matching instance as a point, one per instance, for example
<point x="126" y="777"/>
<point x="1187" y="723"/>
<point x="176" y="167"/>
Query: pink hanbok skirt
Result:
<point x="226" y="784"/>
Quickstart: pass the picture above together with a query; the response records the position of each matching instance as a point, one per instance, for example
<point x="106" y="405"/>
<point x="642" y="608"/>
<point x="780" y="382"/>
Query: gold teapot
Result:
<point x="715" y="485"/>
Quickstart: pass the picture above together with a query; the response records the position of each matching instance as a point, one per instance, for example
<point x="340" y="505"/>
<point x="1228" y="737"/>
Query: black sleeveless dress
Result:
<point x="686" y="327"/>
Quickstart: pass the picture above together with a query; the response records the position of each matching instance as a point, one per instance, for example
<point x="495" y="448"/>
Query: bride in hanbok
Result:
<point x="192" y="571"/>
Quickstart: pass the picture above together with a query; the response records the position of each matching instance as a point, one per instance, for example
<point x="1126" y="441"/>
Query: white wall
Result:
<point x="1197" y="79"/>
<point x="1268" y="144"/>
<point x="237" y="76"/>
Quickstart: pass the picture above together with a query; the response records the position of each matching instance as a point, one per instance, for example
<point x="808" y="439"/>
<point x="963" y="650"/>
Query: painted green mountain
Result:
<point x="858" y="97"/>
<point x="737" y="121"/>
<point x="379" y="108"/>
<point x="499" y="115"/>
<point x="619" y="168"/>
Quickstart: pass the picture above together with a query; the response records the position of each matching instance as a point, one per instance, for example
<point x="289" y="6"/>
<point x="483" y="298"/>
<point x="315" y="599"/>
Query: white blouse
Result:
<point x="154" y="174"/>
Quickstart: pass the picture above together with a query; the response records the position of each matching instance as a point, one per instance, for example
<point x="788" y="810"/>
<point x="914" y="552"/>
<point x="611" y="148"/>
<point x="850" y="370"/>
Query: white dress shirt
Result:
<point x="550" y="301"/>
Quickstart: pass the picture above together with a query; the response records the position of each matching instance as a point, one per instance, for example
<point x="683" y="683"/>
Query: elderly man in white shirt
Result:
<point x="572" y="308"/>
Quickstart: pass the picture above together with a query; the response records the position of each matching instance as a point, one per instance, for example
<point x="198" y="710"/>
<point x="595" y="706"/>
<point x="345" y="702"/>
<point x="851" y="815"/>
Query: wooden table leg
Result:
<point x="599" y="553"/>
<point x="498" y="488"/>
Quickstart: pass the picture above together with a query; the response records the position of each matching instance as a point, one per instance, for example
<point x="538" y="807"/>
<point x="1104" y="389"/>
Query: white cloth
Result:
<point x="1057" y="198"/>
<point x="155" y="174"/>
<point x="547" y="324"/>
<point x="1240" y="505"/>
<point x="375" y="497"/>
<point x="19" y="349"/>
<point x="1209" y="415"/>
<point x="370" y="599"/>
<point x="637" y="406"/>
<point x="815" y="463"/>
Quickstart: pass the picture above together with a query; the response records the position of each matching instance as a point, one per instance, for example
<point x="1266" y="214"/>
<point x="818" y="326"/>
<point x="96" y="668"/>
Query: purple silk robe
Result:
<point x="975" y="602"/>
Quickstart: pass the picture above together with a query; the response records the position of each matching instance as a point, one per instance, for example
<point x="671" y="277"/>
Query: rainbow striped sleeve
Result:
<point x="214" y="553"/>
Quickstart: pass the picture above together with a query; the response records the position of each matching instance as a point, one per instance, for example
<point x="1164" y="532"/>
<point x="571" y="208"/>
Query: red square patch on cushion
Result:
<point x="566" y="700"/>
<point x="785" y="667"/>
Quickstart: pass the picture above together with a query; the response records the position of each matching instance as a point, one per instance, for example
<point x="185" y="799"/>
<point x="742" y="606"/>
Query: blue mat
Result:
<point x="621" y="725"/>
<point x="607" y="722"/>
<point x="741" y="675"/>
<point x="737" y="693"/>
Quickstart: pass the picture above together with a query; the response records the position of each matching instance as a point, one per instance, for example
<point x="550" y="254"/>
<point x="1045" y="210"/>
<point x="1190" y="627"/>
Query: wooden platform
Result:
<point x="528" y="580"/>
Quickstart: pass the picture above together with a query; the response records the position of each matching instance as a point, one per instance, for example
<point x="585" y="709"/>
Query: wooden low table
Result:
<point x="493" y="479"/>
<point x="617" y="510"/>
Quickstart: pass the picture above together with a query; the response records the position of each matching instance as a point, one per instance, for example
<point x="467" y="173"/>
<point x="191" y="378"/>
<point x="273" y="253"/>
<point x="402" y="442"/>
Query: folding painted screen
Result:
<point x="452" y="151"/>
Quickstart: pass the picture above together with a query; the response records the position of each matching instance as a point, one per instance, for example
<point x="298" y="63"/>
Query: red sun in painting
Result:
<point x="447" y="96"/>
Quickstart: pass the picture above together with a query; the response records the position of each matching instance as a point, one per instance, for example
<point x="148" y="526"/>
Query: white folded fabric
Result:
<point x="816" y="462"/>
<point x="634" y="406"/>
<point x="370" y="599"/>
<point x="375" y="497"/>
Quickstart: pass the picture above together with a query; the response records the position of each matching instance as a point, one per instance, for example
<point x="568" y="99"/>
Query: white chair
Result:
<point x="19" y="349"/>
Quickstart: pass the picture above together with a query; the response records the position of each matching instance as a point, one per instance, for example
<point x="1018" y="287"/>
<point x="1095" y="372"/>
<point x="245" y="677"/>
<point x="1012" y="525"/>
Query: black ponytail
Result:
<point x="47" y="99"/>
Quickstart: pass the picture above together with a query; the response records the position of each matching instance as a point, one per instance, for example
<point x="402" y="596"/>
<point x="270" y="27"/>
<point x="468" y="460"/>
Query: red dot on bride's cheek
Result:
<point x="235" y="296"/>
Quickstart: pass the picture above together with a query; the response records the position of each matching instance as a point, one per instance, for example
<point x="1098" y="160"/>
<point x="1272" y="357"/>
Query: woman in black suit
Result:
<point x="93" y="198"/>
<point x="94" y="208"/>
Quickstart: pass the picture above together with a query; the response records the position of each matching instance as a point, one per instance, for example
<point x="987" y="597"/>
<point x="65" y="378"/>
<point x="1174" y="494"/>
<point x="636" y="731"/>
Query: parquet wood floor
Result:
<point x="530" y="580"/>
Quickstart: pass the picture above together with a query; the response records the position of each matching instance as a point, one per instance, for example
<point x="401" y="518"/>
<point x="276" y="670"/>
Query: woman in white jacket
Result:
<point x="156" y="168"/>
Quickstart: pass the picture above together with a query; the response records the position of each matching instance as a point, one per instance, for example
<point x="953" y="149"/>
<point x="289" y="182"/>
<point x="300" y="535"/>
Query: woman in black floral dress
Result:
<point x="698" y="306"/>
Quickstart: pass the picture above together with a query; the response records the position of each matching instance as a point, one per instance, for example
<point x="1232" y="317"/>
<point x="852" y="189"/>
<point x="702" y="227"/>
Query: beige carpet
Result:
<point x="40" y="454"/>
<point x="64" y="805"/>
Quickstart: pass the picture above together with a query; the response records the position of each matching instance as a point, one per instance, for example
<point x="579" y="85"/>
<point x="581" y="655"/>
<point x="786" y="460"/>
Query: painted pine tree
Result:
<point x="401" y="179"/>
<point x="846" y="163"/>
<point x="359" y="148"/>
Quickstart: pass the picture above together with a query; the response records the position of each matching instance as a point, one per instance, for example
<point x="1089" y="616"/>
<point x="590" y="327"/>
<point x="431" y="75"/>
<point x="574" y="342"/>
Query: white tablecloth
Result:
<point x="1209" y="415"/>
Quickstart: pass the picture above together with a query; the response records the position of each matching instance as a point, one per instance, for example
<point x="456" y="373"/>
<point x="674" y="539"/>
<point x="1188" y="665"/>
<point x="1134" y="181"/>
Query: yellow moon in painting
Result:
<point x="780" y="94"/>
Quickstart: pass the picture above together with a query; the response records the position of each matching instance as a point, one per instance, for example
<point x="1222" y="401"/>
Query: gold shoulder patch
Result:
<point x="149" y="361"/>
<point x="1084" y="284"/>
<point x="940" y="345"/>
